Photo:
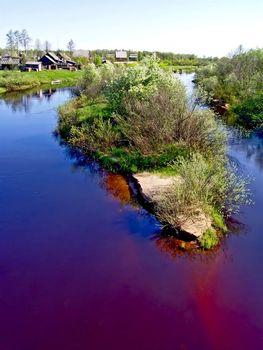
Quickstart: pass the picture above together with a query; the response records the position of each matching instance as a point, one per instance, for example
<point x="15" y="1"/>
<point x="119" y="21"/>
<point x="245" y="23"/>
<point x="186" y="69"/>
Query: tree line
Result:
<point x="20" y="40"/>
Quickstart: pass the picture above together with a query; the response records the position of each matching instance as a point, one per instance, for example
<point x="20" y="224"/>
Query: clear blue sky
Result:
<point x="202" y="27"/>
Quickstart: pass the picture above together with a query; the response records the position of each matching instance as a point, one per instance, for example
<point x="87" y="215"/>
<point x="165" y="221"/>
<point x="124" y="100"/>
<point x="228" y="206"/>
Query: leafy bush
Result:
<point x="237" y="80"/>
<point x="250" y="112"/>
<point x="209" y="239"/>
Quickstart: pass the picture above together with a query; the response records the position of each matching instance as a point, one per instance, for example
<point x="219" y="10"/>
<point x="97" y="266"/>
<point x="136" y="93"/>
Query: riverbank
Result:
<point x="18" y="81"/>
<point x="235" y="84"/>
<point x="138" y="119"/>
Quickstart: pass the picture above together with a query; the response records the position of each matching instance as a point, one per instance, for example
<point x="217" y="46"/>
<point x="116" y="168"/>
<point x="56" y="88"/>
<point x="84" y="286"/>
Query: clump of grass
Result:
<point x="209" y="239"/>
<point x="204" y="184"/>
<point x="218" y="220"/>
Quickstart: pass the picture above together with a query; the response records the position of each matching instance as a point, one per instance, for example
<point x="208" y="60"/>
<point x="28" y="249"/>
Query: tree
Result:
<point x="38" y="48"/>
<point x="10" y="41"/>
<point x="17" y="39"/>
<point x="71" y="47"/>
<point x="47" y="46"/>
<point x="25" y="40"/>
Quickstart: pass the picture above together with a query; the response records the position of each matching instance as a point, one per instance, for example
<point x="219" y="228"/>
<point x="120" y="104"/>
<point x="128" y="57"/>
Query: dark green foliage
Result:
<point x="237" y="81"/>
<point x="250" y="112"/>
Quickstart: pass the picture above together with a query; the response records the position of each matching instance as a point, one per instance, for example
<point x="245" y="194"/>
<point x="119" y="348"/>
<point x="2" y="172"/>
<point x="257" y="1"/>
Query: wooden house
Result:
<point x="50" y="61"/>
<point x="67" y="62"/>
<point x="121" y="56"/>
<point x="8" y="62"/>
<point x="57" y="61"/>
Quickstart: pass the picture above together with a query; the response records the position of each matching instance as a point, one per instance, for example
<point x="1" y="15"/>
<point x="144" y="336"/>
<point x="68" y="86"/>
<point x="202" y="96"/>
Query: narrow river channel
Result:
<point x="81" y="266"/>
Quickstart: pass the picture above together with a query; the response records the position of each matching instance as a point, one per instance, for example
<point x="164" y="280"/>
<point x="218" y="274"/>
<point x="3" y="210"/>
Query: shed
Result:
<point x="32" y="65"/>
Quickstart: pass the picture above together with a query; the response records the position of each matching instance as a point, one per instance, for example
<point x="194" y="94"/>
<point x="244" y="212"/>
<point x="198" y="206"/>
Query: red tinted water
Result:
<point x="82" y="269"/>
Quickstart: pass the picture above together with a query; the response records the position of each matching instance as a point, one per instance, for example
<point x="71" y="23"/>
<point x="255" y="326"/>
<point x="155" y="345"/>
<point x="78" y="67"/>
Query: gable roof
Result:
<point x="53" y="56"/>
<point x="121" y="54"/>
<point x="9" y="60"/>
<point x="49" y="58"/>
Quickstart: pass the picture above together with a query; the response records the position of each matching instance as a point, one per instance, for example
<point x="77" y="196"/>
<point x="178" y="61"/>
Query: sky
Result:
<point x="204" y="27"/>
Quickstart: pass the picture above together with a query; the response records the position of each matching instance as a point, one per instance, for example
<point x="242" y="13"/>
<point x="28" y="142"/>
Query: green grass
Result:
<point x="218" y="220"/>
<point x="2" y="90"/>
<point x="92" y="110"/>
<point x="165" y="171"/>
<point x="16" y="80"/>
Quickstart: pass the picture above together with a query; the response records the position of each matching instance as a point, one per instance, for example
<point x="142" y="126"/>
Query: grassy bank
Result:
<point x="138" y="118"/>
<point x="16" y="80"/>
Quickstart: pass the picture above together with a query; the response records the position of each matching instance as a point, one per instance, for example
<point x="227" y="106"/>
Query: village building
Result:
<point x="33" y="66"/>
<point x="121" y="56"/>
<point x="50" y="60"/>
<point x="133" y="57"/>
<point x="10" y="63"/>
<point x="57" y="61"/>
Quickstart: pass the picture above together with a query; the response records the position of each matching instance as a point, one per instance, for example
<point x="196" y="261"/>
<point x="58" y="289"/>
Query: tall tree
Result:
<point x="47" y="46"/>
<point x="25" y="40"/>
<point x="10" y="42"/>
<point x="38" y="48"/>
<point x="71" y="46"/>
<point x="17" y="39"/>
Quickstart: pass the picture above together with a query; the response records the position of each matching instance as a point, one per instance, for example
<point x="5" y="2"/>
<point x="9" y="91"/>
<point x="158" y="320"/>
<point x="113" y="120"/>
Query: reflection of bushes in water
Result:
<point x="22" y="101"/>
<point x="116" y="185"/>
<point x="177" y="248"/>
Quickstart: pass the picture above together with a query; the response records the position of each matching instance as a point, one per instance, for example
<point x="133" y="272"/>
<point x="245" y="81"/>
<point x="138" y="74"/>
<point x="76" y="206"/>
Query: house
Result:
<point x="121" y="56"/>
<point x="8" y="62"/>
<point x="57" y="61"/>
<point x="50" y="60"/>
<point x="82" y="53"/>
<point x="67" y="62"/>
<point x="133" y="57"/>
<point x="33" y="66"/>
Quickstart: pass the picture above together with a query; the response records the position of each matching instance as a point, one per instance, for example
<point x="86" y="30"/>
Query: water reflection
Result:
<point x="251" y="147"/>
<point x="22" y="102"/>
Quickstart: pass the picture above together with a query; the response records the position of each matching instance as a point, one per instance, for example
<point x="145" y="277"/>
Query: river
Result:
<point x="81" y="264"/>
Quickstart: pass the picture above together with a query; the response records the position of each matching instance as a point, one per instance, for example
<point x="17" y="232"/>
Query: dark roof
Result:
<point x="49" y="58"/>
<point x="64" y="57"/>
<point x="53" y="56"/>
<point x="10" y="60"/>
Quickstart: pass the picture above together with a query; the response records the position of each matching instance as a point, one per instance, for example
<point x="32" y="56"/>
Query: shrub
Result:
<point x="209" y="239"/>
<point x="250" y="111"/>
<point x="100" y="135"/>
<point x="204" y="184"/>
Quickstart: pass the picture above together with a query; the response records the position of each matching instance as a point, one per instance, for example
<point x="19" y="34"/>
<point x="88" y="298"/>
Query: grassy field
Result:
<point x="16" y="80"/>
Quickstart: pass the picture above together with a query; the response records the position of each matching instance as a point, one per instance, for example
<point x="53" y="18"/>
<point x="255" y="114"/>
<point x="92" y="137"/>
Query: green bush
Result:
<point x="238" y="81"/>
<point x="209" y="239"/>
<point x="250" y="112"/>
